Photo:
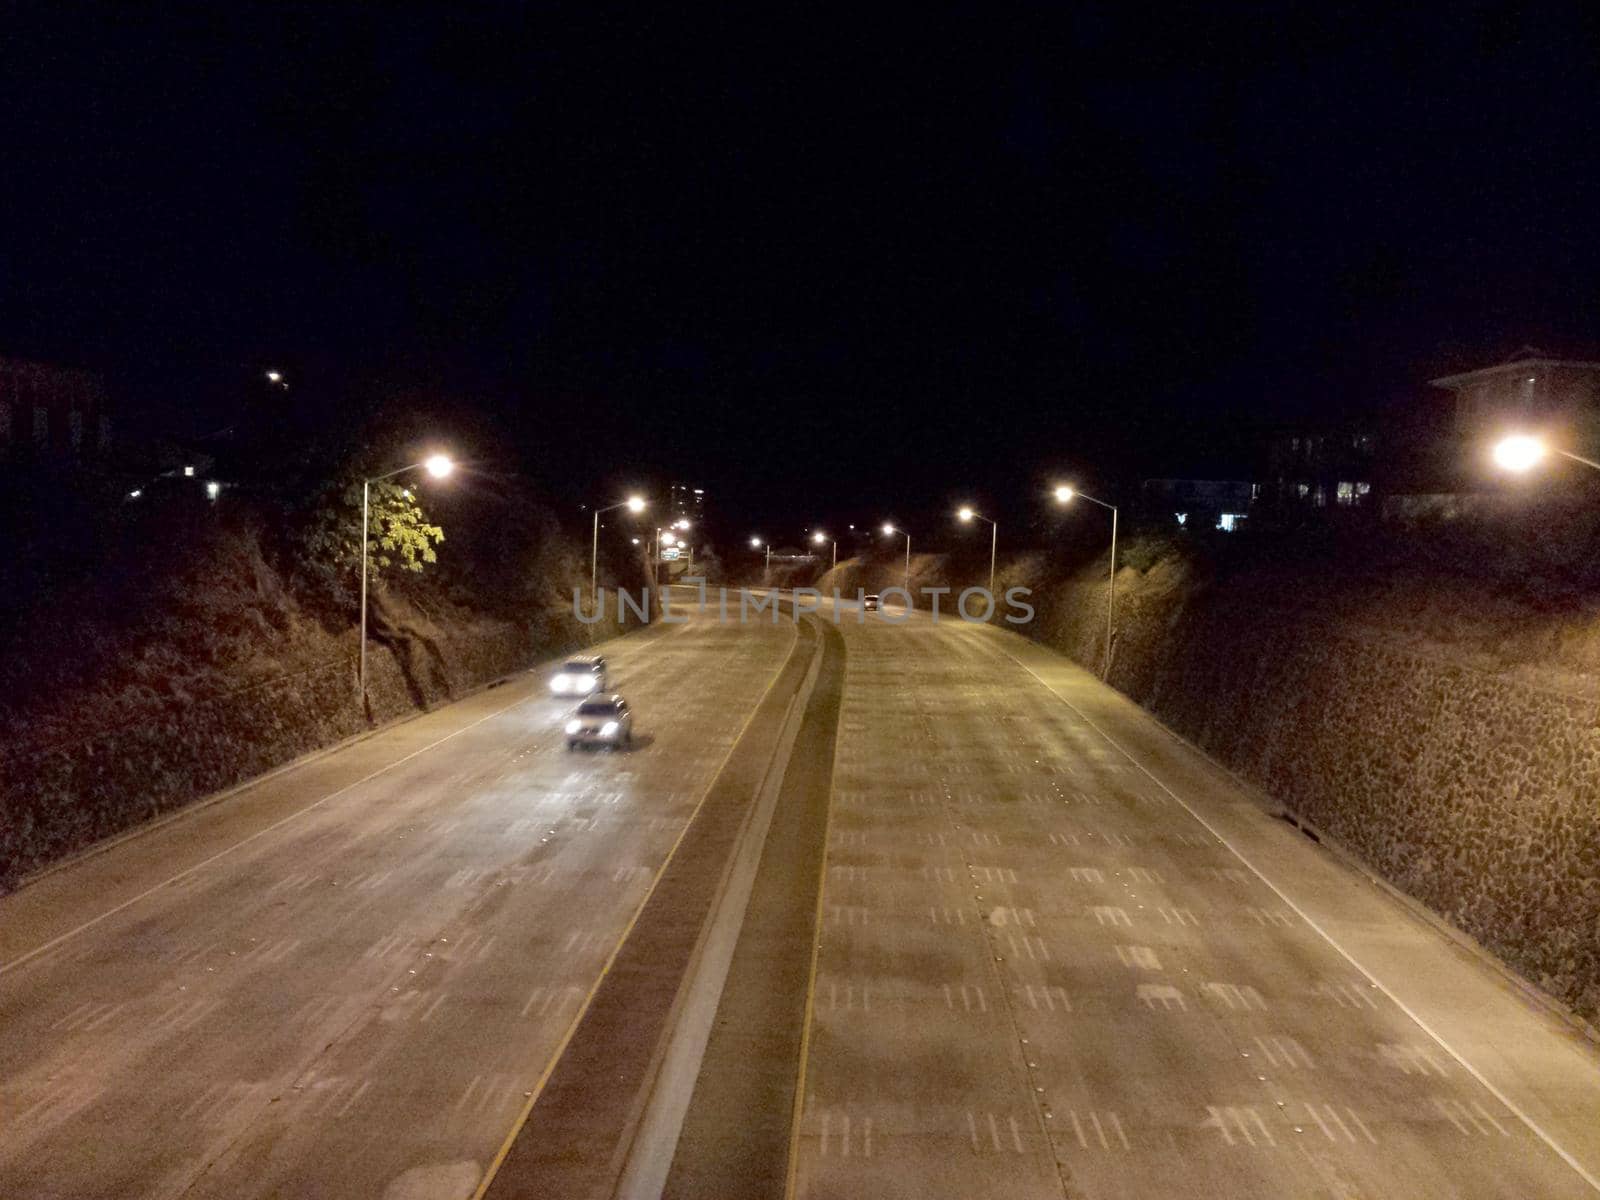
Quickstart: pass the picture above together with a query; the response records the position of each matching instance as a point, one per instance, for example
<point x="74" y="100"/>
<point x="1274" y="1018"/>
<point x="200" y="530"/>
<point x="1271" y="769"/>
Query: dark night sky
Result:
<point x="825" y="268"/>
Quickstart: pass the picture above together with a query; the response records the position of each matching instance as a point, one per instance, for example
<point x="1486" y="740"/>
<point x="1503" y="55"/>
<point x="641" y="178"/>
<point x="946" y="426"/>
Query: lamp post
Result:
<point x="967" y="513"/>
<point x="756" y="544"/>
<point x="1521" y="452"/>
<point x="437" y="465"/>
<point x="887" y="530"/>
<point x="632" y="504"/>
<point x="1063" y="496"/>
<point x="819" y="537"/>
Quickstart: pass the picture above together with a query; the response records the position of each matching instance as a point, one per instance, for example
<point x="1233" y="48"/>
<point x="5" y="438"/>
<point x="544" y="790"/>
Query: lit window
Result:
<point x="1229" y="521"/>
<point x="1182" y="517"/>
<point x="1304" y="490"/>
<point x="1362" y="489"/>
<point x="188" y="472"/>
<point x="1347" y="493"/>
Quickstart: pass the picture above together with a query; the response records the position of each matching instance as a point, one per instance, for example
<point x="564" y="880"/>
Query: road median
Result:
<point x="606" y="1112"/>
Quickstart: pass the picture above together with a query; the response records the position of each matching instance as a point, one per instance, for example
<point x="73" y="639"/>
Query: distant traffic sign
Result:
<point x="669" y="553"/>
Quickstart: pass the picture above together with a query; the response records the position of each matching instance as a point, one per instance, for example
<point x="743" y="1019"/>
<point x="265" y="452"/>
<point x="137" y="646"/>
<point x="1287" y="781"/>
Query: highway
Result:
<point x="1007" y="938"/>
<point x="358" y="1000"/>
<point x="1042" y="974"/>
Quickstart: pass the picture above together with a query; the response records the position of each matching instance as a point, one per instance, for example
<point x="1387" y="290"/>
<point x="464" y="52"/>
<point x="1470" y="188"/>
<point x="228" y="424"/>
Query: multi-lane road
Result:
<point x="973" y="926"/>
<point x="357" y="996"/>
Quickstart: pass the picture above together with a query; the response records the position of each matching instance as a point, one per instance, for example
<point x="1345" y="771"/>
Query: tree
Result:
<point x="399" y="535"/>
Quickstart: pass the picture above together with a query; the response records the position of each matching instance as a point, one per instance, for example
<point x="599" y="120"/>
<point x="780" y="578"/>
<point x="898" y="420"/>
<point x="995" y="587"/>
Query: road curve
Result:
<point x="356" y="999"/>
<point x="1041" y="974"/>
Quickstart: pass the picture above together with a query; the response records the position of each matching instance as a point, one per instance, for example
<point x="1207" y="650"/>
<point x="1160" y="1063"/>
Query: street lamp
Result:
<point x="633" y="504"/>
<point x="819" y="537"/>
<point x="1520" y="452"/>
<point x="756" y="544"/>
<point x="967" y="513"/>
<point x="890" y="529"/>
<point x="437" y="465"/>
<point x="1063" y="496"/>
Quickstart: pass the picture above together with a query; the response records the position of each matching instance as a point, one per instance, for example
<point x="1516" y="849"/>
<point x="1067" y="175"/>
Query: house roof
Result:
<point x="1526" y="359"/>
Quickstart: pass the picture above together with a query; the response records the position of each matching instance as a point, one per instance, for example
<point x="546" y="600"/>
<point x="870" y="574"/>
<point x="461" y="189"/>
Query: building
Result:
<point x="1530" y="392"/>
<point x="55" y="411"/>
<point x="1272" y="476"/>
<point x="687" y="503"/>
<point x="1202" y="503"/>
<point x="1318" y="466"/>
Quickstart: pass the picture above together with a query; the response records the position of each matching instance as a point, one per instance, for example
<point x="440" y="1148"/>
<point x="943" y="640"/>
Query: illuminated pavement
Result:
<point x="357" y="1000"/>
<point x="1059" y="954"/>
<point x="1039" y="975"/>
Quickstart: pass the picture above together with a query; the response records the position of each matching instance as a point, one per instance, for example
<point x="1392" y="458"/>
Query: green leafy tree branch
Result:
<point x="399" y="535"/>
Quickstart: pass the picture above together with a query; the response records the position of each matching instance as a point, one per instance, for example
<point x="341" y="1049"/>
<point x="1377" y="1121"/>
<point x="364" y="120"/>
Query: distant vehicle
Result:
<point x="580" y="676"/>
<point x="870" y="603"/>
<point x="601" y="721"/>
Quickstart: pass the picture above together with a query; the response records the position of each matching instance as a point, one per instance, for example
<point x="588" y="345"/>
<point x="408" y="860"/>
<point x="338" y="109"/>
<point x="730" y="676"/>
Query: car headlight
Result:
<point x="608" y="729"/>
<point x="558" y="684"/>
<point x="574" y="726"/>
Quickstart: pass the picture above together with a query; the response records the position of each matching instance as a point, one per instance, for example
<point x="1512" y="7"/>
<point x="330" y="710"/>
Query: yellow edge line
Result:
<point x="561" y="1048"/>
<point x="811" y="978"/>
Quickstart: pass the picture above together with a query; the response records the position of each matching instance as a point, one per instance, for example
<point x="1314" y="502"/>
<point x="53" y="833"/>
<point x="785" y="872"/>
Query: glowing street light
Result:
<point x="1521" y="452"/>
<point x="819" y="537"/>
<point x="275" y="378"/>
<point x="756" y="544"/>
<point x="967" y="513"/>
<point x="889" y="530"/>
<point x="633" y="504"/>
<point x="437" y="465"/>
<point x="1065" y="495"/>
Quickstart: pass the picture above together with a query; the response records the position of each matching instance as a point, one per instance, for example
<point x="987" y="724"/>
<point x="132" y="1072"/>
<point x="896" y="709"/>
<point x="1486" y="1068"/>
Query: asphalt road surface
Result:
<point x="357" y="1001"/>
<point x="1008" y="938"/>
<point x="1039" y="974"/>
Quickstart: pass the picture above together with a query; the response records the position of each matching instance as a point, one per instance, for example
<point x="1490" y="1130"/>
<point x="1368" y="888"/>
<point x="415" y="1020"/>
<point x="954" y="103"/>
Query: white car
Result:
<point x="581" y="676"/>
<point x="601" y="721"/>
<point x="870" y="603"/>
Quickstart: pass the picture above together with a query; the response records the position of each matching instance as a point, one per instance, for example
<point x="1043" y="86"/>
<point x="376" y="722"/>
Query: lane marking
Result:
<point x="221" y="854"/>
<point x="561" y="1047"/>
<point x="1494" y="1091"/>
<point x="188" y="873"/>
